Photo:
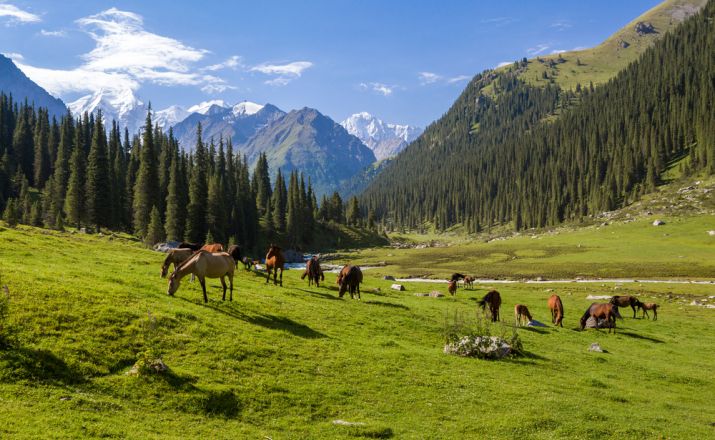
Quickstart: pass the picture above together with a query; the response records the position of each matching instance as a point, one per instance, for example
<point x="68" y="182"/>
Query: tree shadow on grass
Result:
<point x="42" y="366"/>
<point x="386" y="304"/>
<point x="637" y="336"/>
<point x="539" y="330"/>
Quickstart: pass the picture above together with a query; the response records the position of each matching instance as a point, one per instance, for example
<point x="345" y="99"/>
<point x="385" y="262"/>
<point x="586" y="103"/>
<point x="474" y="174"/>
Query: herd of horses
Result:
<point x="210" y="261"/>
<point x="604" y="314"/>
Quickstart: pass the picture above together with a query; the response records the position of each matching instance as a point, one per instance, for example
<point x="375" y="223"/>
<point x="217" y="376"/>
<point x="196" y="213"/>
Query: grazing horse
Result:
<point x="175" y="256"/>
<point x="205" y="265"/>
<point x="235" y="252"/>
<point x="274" y="260"/>
<point x="349" y="280"/>
<point x="494" y="300"/>
<point x="192" y="246"/>
<point x="606" y="311"/>
<point x="521" y="314"/>
<point x="557" y="310"/>
<point x="649" y="306"/>
<point x="469" y="282"/>
<point x="313" y="272"/>
<point x="452" y="287"/>
<point x="213" y="247"/>
<point x="457" y="277"/>
<point x="625" y="301"/>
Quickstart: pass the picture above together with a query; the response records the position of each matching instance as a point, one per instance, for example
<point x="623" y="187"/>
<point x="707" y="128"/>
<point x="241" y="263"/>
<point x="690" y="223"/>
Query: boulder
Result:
<point x="436" y="294"/>
<point x="422" y="294"/>
<point x="711" y="233"/>
<point x="483" y="347"/>
<point x="399" y="287"/>
<point x="388" y="278"/>
<point x="535" y="323"/>
<point x="645" y="28"/>
<point x="595" y="347"/>
<point x="658" y="223"/>
<point x="602" y="323"/>
<point x="166" y="247"/>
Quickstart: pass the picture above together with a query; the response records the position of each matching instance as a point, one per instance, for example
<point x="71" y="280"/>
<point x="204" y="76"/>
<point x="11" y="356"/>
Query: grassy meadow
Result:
<point x="287" y="362"/>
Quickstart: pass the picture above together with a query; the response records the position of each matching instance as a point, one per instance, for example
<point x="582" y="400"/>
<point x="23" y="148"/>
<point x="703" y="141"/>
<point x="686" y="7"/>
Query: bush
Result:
<point x="479" y="337"/>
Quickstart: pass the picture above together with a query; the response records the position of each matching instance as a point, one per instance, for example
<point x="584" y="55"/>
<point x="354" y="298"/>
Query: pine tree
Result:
<point x="175" y="208"/>
<point x="279" y="202"/>
<point x="74" y="200"/>
<point x="262" y="185"/>
<point x="22" y="143"/>
<point x="353" y="212"/>
<point x="41" y="163"/>
<point x="10" y="215"/>
<point x="198" y="192"/>
<point x="98" y="190"/>
<point x="215" y="213"/>
<point x="146" y="185"/>
<point x="155" y="231"/>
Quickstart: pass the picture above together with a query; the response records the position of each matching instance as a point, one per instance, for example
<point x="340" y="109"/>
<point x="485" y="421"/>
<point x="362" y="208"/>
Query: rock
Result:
<point x="623" y="44"/>
<point x="602" y="323"/>
<point x="711" y="233"/>
<point x="422" y="294"/>
<point x="483" y="347"/>
<point x="376" y="290"/>
<point x="595" y="347"/>
<point x="388" y="278"/>
<point x="645" y="28"/>
<point x="65" y="398"/>
<point x="436" y="294"/>
<point x="535" y="323"/>
<point x="82" y="230"/>
<point x="345" y="423"/>
<point x="399" y="287"/>
<point x="166" y="247"/>
<point x="658" y="223"/>
<point x="540" y="279"/>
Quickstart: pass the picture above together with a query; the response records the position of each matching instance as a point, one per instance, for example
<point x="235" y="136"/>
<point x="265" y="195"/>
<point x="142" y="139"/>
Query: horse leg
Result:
<point x="281" y="277"/>
<point x="223" y="284"/>
<point x="203" y="287"/>
<point x="634" y="311"/>
<point x="230" y="282"/>
<point x="655" y="314"/>
<point x="645" y="313"/>
<point x="268" y="276"/>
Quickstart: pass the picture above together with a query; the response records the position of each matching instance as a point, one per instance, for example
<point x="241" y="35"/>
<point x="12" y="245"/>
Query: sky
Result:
<point x="403" y="61"/>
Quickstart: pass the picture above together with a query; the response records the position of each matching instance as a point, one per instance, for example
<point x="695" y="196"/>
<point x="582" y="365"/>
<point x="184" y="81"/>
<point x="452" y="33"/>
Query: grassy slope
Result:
<point x="285" y="362"/>
<point x="604" y="61"/>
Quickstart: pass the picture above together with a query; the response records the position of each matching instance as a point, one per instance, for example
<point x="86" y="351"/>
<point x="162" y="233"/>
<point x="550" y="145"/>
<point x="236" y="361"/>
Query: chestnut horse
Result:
<point x="313" y="272"/>
<point x="606" y="311"/>
<point x="213" y="247"/>
<point x="204" y="265"/>
<point x="557" y="310"/>
<point x="625" y="301"/>
<point x="452" y="287"/>
<point x="274" y="260"/>
<point x="649" y="306"/>
<point x="175" y="257"/>
<point x="349" y="279"/>
<point x="521" y="314"/>
<point x="494" y="300"/>
<point x="469" y="282"/>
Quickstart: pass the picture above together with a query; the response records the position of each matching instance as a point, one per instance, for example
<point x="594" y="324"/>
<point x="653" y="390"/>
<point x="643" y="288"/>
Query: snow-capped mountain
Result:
<point x="121" y="106"/>
<point x="170" y="116"/>
<point x="204" y="107"/>
<point x="385" y="140"/>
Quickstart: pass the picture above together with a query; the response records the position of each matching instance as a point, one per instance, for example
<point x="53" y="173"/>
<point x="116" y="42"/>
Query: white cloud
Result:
<point x="14" y="56"/>
<point x="124" y="56"/>
<point x="232" y="62"/>
<point x="458" y="78"/>
<point x="216" y="88"/>
<point x="45" y="33"/>
<point x="17" y="15"/>
<point x="285" y="72"/>
<point x="561" y="25"/>
<point x="278" y="82"/>
<point x="557" y="51"/>
<point x="383" y="89"/>
<point x="504" y="63"/>
<point x="428" y="78"/>
<point x="538" y="49"/>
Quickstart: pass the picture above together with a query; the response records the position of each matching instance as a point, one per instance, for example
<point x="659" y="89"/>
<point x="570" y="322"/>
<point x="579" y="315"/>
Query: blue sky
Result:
<point x="403" y="61"/>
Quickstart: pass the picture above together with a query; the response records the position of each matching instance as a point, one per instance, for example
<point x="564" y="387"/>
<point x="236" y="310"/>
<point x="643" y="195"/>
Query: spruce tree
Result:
<point x="155" y="231"/>
<point x="146" y="185"/>
<point x="279" y="203"/>
<point x="74" y="200"/>
<point x="98" y="190"/>
<point x="215" y="212"/>
<point x="175" y="208"/>
<point x="41" y="163"/>
<point x="198" y="192"/>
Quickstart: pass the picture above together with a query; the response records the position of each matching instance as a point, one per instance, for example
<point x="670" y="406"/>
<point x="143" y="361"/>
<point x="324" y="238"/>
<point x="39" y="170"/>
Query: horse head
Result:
<point x="173" y="284"/>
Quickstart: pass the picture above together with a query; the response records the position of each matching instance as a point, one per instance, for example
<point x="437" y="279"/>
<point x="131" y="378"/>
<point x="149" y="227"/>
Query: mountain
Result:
<point x="119" y="105"/>
<point x="204" y="107"/>
<point x="513" y="152"/>
<point x="14" y="82"/>
<point x="170" y="116"/>
<point x="238" y="122"/>
<point x="385" y="140"/>
<point x="310" y="142"/>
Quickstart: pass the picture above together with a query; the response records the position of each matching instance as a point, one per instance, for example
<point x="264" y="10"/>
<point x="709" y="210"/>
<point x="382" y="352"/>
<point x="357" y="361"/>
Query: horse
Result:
<point x="247" y="263"/>
<point x="606" y="311"/>
<point x="213" y="247"/>
<point x="452" y="287"/>
<point x="175" y="256"/>
<point x="192" y="246"/>
<point x="557" y="310"/>
<point x="494" y="300"/>
<point x="349" y="280"/>
<point x="205" y="265"/>
<point x="313" y="272"/>
<point x="469" y="282"/>
<point x="625" y="301"/>
<point x="274" y="260"/>
<point x="235" y="252"/>
<point x="521" y="313"/>
<point x="457" y="277"/>
<point x="649" y="306"/>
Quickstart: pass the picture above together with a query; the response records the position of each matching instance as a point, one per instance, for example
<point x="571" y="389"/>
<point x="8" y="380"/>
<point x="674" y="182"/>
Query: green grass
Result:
<point x="286" y="362"/>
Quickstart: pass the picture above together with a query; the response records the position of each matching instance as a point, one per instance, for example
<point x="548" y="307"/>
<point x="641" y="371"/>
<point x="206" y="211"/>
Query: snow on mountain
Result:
<point x="120" y="105"/>
<point x="204" y="107"/>
<point x="246" y="108"/>
<point x="385" y="140"/>
<point x="170" y="116"/>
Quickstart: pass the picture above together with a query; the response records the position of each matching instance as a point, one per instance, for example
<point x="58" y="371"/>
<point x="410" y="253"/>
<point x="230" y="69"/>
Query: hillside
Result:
<point x="603" y="62"/>
<point x="14" y="82"/>
<point x="508" y="152"/>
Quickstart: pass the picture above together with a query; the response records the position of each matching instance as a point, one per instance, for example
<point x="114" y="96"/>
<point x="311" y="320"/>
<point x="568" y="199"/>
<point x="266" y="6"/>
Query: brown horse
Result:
<point x="213" y="247"/>
<point x="313" y="272"/>
<point x="625" y="301"/>
<point x="557" y="310"/>
<point x="494" y="300"/>
<point x="235" y="252"/>
<point x="605" y="311"/>
<point x="274" y="260"/>
<point x="175" y="257"/>
<point x="521" y="314"/>
<point x="469" y="282"/>
<point x="192" y="246"/>
<point x="452" y="287"/>
<point x="205" y="265"/>
<point x="649" y="306"/>
<point x="349" y="280"/>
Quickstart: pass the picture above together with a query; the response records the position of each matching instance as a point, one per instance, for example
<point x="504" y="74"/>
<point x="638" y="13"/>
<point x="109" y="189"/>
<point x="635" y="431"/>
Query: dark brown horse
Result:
<point x="557" y="310"/>
<point x="212" y="247"/>
<point x="313" y="272"/>
<point x="452" y="287"/>
<point x="605" y="311"/>
<point x="494" y="300"/>
<point x="274" y="260"/>
<point x="521" y="314"/>
<point x="625" y="301"/>
<point x="193" y="246"/>
<point x="649" y="306"/>
<point x="457" y="277"/>
<point x="235" y="252"/>
<point x="469" y="282"/>
<point x="349" y="279"/>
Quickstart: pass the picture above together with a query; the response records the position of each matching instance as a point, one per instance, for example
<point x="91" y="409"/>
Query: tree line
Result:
<point x="527" y="156"/>
<point x="77" y="172"/>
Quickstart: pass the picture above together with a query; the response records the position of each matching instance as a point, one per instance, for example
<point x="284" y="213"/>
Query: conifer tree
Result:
<point x="74" y="201"/>
<point x="279" y="202"/>
<point x="175" y="208"/>
<point x="98" y="191"/>
<point x="198" y="192"/>
<point x="146" y="185"/>
<point x="41" y="163"/>
<point x="155" y="231"/>
<point x="215" y="213"/>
